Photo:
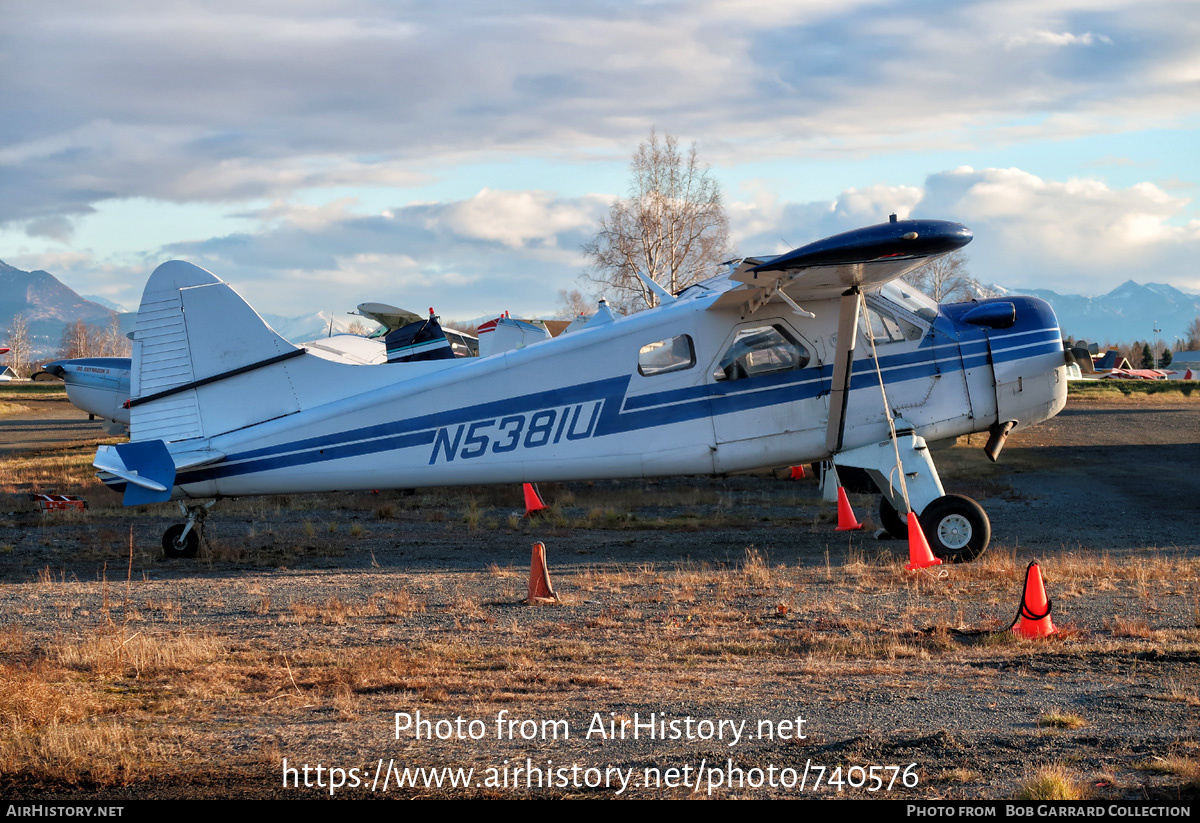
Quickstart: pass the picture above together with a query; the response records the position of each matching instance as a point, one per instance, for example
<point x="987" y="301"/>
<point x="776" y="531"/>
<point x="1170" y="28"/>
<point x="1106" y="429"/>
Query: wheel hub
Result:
<point x="954" y="531"/>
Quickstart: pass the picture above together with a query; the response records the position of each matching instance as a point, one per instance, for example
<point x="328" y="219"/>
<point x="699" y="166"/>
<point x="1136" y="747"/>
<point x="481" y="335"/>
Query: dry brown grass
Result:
<point x="400" y="603"/>
<point x="58" y="470"/>
<point x="704" y="628"/>
<point x="1056" y="782"/>
<point x="64" y="707"/>
<point x="1061" y="720"/>
<point x="100" y="753"/>
<point x="1186" y="767"/>
<point x="122" y="651"/>
<point x="12" y="408"/>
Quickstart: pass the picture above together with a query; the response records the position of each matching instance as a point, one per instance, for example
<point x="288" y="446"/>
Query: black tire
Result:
<point x="174" y="548"/>
<point x="957" y="528"/>
<point x="892" y="522"/>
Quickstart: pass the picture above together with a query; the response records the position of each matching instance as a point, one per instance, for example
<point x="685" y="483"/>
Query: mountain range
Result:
<point x="1129" y="312"/>
<point x="47" y="305"/>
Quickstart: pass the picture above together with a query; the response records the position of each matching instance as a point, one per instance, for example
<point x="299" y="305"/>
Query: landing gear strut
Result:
<point x="956" y="527"/>
<point x="183" y="539"/>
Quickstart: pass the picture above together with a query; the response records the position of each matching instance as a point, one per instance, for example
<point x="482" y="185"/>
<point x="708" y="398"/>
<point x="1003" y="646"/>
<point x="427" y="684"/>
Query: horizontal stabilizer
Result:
<point x="193" y="459"/>
<point x="145" y="466"/>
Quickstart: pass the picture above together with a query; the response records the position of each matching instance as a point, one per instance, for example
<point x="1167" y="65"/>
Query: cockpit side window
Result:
<point x="761" y="350"/>
<point x="889" y="327"/>
<point x="665" y="356"/>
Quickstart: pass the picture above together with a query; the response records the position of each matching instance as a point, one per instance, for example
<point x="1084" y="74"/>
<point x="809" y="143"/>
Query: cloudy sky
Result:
<point x="322" y="153"/>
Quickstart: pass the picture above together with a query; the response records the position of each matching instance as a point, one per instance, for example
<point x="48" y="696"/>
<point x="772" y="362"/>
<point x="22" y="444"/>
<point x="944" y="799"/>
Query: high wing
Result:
<point x="389" y="316"/>
<point x="865" y="259"/>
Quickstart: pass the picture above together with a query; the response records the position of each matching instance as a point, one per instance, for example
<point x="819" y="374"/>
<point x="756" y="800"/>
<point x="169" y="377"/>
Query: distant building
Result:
<point x="1184" y="361"/>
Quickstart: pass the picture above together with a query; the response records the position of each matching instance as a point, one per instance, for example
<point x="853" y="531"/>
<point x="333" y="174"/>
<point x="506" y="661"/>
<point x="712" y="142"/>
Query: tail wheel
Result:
<point x="957" y="528"/>
<point x="175" y="544"/>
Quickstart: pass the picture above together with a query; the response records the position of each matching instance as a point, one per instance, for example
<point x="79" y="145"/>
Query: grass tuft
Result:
<point x="1055" y="782"/>
<point x="1061" y="720"/>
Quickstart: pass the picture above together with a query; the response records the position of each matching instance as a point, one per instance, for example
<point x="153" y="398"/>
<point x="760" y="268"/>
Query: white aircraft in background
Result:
<point x="100" y="385"/>
<point x="731" y="374"/>
<point x="96" y="385"/>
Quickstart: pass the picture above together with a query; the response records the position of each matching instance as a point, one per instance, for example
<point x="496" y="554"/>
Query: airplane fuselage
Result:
<point x="98" y="385"/>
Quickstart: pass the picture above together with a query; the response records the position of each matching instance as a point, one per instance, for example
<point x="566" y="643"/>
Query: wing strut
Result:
<point x="843" y="364"/>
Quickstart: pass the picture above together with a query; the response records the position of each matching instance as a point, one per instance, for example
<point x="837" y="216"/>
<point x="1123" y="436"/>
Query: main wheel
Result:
<point x="956" y="527"/>
<point x="174" y="546"/>
<point x="890" y="519"/>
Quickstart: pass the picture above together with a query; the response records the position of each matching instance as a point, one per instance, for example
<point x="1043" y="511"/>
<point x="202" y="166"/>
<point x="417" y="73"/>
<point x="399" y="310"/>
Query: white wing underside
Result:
<point x="756" y="289"/>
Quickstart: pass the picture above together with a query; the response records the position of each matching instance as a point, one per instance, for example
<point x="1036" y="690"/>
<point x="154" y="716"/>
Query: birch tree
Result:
<point x="17" y="340"/>
<point x="946" y="279"/>
<point x="672" y="227"/>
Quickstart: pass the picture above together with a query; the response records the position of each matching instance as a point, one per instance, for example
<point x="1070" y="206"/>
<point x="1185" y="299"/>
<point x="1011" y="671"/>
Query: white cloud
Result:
<point x="519" y="218"/>
<point x="764" y="226"/>
<point x="1073" y="236"/>
<point x="217" y="102"/>
<point x="1051" y="38"/>
<point x="1078" y="235"/>
<point x="498" y="248"/>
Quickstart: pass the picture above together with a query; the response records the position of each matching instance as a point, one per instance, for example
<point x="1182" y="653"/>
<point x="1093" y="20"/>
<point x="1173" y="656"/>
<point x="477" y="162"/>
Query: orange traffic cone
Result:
<point x="533" y="500"/>
<point x="797" y="472"/>
<point x="1033" y="616"/>
<point x="540" y="590"/>
<point x="846" y="521"/>
<point x="919" y="555"/>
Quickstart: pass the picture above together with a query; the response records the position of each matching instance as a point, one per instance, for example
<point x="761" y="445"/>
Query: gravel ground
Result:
<point x="724" y="600"/>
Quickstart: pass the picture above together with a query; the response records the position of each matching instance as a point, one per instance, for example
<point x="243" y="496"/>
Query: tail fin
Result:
<point x="423" y="340"/>
<point x="199" y="358"/>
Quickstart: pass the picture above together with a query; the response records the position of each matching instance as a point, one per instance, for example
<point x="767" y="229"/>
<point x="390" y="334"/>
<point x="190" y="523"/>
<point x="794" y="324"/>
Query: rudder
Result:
<point x="200" y="358"/>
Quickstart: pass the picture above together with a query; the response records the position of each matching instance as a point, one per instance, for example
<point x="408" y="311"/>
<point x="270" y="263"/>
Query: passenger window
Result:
<point x="761" y="350"/>
<point x="672" y="354"/>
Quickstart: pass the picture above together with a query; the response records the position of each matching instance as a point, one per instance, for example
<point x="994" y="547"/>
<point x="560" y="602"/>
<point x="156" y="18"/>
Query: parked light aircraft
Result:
<point x="731" y="374"/>
<point x="100" y="386"/>
<point x="97" y="385"/>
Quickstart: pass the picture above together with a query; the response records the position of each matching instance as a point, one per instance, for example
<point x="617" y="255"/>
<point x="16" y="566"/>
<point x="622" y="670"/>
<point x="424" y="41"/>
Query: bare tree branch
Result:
<point x="946" y="279"/>
<point x="17" y="339"/>
<point x="672" y="227"/>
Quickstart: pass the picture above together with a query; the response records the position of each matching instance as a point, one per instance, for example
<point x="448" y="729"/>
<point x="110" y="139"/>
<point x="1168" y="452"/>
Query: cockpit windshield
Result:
<point x="907" y="297"/>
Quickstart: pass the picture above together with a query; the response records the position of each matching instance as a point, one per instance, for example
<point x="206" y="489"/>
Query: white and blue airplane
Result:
<point x="816" y="354"/>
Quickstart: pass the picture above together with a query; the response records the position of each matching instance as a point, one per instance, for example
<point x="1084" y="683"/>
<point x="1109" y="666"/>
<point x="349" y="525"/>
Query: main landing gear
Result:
<point x="183" y="539"/>
<point x="956" y="527"/>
